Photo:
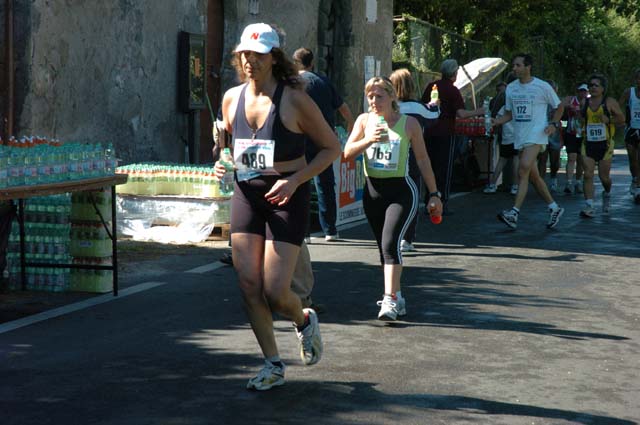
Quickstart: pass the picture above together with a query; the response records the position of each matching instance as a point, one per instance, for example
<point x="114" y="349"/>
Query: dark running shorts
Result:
<point x="572" y="143"/>
<point x="632" y="137"/>
<point x="508" y="151"/>
<point x="252" y="213"/>
<point x="598" y="150"/>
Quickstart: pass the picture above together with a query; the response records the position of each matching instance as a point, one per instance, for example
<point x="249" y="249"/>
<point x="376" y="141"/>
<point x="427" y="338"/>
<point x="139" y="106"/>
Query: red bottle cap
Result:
<point x="436" y="219"/>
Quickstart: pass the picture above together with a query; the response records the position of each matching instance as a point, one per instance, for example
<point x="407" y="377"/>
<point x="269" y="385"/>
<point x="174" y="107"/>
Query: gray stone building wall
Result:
<point x="353" y="37"/>
<point x="106" y="70"/>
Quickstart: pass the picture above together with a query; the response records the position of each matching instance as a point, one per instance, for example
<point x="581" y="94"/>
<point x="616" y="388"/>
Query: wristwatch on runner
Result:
<point x="437" y="194"/>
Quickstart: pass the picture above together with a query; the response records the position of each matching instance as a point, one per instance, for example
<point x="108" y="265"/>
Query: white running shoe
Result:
<point x="406" y="246"/>
<point x="269" y="376"/>
<point x="554" y="217"/>
<point x="491" y="188"/>
<point x="606" y="202"/>
<point x="514" y="189"/>
<point x="391" y="308"/>
<point x="509" y="217"/>
<point x="310" y="339"/>
<point x="331" y="238"/>
<point x="587" y="212"/>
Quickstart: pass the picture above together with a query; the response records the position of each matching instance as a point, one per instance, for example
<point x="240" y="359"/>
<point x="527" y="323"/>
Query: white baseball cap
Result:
<point x="260" y="38"/>
<point x="583" y="87"/>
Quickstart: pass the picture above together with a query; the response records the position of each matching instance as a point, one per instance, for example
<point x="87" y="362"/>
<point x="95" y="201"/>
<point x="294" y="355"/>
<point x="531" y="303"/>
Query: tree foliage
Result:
<point x="569" y="40"/>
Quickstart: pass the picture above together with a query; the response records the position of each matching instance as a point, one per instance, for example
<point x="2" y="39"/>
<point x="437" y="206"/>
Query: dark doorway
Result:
<point x="215" y="43"/>
<point x="335" y="37"/>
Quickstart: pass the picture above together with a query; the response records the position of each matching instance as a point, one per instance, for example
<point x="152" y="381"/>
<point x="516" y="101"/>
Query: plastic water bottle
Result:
<point x="563" y="157"/>
<point x="435" y="218"/>
<point x="487" y="116"/>
<point x="434" y="94"/>
<point x="384" y="134"/>
<point x="110" y="160"/>
<point x="226" y="182"/>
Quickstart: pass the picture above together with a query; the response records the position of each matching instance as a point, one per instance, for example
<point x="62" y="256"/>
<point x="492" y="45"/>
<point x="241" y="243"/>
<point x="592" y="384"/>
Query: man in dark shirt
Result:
<point x="328" y="100"/>
<point x="440" y="138"/>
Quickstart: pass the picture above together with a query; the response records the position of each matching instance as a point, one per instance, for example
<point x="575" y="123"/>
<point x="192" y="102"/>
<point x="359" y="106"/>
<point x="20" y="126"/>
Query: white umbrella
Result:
<point x="477" y="75"/>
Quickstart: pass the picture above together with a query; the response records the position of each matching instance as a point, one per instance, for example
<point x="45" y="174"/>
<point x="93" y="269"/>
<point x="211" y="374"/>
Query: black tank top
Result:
<point x="288" y="145"/>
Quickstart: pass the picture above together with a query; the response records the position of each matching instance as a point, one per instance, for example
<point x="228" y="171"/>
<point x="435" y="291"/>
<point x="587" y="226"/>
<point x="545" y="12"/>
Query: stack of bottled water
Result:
<point x="153" y="179"/>
<point x="90" y="242"/>
<point x="37" y="160"/>
<point x="47" y="231"/>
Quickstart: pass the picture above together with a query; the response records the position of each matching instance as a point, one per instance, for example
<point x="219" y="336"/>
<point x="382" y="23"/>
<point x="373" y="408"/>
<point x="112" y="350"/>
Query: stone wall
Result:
<point x="104" y="71"/>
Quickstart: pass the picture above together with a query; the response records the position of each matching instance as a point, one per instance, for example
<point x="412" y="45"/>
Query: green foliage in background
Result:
<point x="569" y="39"/>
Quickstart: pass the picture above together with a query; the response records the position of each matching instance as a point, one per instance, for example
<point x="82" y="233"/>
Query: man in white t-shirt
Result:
<point x="527" y="99"/>
<point x="631" y="100"/>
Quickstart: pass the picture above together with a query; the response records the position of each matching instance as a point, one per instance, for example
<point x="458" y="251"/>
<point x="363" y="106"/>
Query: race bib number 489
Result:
<point x="253" y="157"/>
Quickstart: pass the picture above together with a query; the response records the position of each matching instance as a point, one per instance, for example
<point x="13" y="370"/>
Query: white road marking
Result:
<point x="207" y="268"/>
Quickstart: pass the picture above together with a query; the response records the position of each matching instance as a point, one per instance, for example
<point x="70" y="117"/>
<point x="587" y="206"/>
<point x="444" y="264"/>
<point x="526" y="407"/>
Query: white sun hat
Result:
<point x="260" y="38"/>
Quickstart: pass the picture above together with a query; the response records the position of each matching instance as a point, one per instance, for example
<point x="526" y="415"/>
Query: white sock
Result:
<point x="553" y="206"/>
<point x="274" y="359"/>
<point x="589" y="203"/>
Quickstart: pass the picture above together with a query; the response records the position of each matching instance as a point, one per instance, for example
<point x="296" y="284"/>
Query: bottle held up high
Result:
<point x="384" y="134"/>
<point x="434" y="95"/>
<point x="384" y="129"/>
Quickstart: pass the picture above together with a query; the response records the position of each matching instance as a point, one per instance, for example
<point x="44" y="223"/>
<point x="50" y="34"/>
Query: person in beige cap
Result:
<point x="269" y="117"/>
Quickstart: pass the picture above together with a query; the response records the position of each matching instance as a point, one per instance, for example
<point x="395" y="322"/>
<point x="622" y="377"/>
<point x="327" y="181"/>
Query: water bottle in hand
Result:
<point x="435" y="218"/>
<point x="384" y="134"/>
<point x="487" y="117"/>
<point x="226" y="182"/>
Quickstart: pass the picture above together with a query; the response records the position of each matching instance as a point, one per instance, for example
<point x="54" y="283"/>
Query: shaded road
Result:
<point x="503" y="327"/>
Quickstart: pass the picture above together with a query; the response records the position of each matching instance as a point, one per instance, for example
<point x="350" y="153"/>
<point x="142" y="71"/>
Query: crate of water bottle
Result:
<point x="41" y="238"/>
<point x="474" y="126"/>
<point x="48" y="279"/>
<point x="90" y="280"/>
<point x="90" y="239"/>
<point x="48" y="209"/>
<point x="82" y="207"/>
<point x="50" y="244"/>
<point x="152" y="179"/>
<point x="34" y="160"/>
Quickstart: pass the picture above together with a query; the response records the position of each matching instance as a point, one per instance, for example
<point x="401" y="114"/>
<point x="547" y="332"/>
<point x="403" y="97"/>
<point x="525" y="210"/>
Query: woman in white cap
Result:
<point x="269" y="116"/>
